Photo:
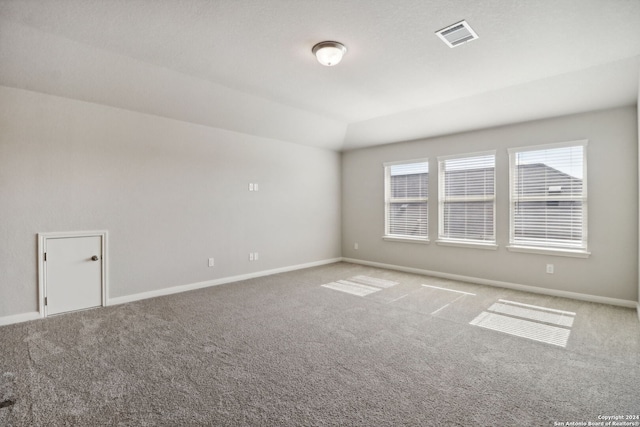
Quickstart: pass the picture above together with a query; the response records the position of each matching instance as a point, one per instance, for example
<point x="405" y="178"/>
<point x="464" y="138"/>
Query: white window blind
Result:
<point x="406" y="199"/>
<point x="549" y="196"/>
<point x="467" y="198"/>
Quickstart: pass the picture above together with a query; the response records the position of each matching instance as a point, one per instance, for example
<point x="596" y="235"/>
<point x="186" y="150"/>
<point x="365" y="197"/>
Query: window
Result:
<point x="549" y="197"/>
<point x="406" y="200"/>
<point x="467" y="199"/>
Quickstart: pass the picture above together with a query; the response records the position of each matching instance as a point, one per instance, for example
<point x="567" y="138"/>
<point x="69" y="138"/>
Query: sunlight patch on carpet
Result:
<point x="536" y="323"/>
<point x="538" y="314"/>
<point x="447" y="289"/>
<point x="460" y="296"/>
<point x="351" y="288"/>
<point x="372" y="281"/>
<point x="360" y="285"/>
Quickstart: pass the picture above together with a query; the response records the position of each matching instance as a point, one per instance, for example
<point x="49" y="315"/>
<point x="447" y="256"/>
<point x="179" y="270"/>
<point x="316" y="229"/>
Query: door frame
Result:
<point x="42" y="265"/>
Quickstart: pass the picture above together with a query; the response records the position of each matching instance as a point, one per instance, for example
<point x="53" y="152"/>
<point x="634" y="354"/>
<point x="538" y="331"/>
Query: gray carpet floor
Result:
<point x="284" y="350"/>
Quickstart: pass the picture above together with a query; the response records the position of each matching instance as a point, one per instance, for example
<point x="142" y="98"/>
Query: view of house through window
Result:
<point x="406" y="199"/>
<point x="548" y="196"/>
<point x="467" y="198"/>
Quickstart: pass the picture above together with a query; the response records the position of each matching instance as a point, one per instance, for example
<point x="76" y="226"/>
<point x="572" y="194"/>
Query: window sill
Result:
<point x="574" y="253"/>
<point x="473" y="245"/>
<point x="419" y="240"/>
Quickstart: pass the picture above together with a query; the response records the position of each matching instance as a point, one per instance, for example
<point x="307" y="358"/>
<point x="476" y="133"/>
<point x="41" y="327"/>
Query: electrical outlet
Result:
<point x="211" y="263"/>
<point x="355" y="246"/>
<point x="250" y="256"/>
<point x="550" y="268"/>
<point x="255" y="256"/>
<point x="251" y="186"/>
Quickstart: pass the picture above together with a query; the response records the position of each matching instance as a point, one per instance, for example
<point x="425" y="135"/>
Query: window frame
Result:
<point x="388" y="201"/>
<point x="451" y="241"/>
<point x="577" y="251"/>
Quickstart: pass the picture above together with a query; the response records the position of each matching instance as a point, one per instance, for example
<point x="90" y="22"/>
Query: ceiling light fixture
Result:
<point x="329" y="53"/>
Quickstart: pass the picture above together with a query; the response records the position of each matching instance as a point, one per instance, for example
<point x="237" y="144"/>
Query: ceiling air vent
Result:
<point x="457" y="34"/>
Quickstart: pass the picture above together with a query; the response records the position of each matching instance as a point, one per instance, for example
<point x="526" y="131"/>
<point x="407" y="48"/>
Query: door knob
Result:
<point x="95" y="258"/>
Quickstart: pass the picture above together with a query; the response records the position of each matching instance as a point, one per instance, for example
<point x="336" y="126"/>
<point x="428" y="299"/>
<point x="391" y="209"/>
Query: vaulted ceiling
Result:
<point x="246" y="65"/>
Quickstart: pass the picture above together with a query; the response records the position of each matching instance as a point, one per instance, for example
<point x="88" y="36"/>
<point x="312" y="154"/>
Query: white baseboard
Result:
<point x="19" y="318"/>
<point x="215" y="282"/>
<point x="508" y="285"/>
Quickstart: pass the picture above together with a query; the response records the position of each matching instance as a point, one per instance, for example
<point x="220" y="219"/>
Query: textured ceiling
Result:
<point x="247" y="66"/>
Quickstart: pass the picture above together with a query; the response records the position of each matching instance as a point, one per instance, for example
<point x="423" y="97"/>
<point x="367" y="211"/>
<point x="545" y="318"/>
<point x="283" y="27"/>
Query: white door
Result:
<point x="73" y="273"/>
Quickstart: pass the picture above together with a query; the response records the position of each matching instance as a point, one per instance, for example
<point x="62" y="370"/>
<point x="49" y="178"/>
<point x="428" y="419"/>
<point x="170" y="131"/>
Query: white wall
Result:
<point x="170" y="193"/>
<point x="612" y="269"/>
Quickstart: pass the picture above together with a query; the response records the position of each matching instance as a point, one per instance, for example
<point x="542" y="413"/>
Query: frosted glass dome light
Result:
<point x="329" y="53"/>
